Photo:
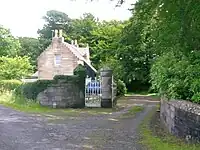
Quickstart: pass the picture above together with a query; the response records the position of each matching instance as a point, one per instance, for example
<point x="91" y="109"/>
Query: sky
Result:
<point x="24" y="17"/>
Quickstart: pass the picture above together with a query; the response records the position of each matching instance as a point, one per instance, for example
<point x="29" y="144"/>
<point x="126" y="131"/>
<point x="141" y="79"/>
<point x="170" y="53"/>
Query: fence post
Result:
<point x="106" y="87"/>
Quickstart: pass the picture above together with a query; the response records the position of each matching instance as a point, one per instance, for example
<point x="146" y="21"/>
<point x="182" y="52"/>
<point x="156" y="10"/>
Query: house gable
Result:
<point x="69" y="56"/>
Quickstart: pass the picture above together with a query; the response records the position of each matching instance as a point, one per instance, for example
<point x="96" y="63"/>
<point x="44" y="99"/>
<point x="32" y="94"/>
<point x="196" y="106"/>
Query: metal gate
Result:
<point x="93" y="93"/>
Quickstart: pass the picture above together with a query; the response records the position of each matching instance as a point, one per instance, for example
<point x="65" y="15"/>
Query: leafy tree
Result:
<point x="14" y="68"/>
<point x="176" y="40"/>
<point x="135" y="51"/>
<point x="30" y="48"/>
<point x="82" y="28"/>
<point x="9" y="46"/>
<point x="53" y="20"/>
<point x="102" y="37"/>
<point x="105" y="42"/>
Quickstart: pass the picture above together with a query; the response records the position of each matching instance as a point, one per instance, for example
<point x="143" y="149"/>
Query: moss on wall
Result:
<point x="31" y="90"/>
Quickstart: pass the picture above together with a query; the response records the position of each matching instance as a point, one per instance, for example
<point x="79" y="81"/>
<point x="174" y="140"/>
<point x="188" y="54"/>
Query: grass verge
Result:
<point x="155" y="138"/>
<point x="132" y="112"/>
<point x="18" y="103"/>
<point x="153" y="95"/>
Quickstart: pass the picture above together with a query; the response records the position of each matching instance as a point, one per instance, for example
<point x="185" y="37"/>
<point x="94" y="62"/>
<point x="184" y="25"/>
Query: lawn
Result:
<point x="155" y="138"/>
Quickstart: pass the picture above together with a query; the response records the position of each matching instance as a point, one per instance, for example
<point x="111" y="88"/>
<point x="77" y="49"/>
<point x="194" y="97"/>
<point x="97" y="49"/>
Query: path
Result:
<point x="20" y="131"/>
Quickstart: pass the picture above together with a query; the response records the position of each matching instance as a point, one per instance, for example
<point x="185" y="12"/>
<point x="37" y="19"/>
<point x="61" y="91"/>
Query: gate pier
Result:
<point x="106" y="87"/>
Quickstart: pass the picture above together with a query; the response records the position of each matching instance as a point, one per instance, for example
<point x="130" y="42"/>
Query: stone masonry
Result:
<point x="70" y="55"/>
<point x="62" y="95"/>
<point x="181" y="118"/>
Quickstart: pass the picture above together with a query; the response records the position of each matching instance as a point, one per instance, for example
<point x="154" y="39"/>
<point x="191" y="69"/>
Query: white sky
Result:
<point x="24" y="17"/>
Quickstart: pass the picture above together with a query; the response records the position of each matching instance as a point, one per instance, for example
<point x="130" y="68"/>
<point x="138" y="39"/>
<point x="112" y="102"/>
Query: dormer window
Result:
<point x="57" y="59"/>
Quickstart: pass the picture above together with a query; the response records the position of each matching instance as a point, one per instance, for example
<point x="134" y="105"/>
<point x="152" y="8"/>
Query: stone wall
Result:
<point x="181" y="118"/>
<point x="62" y="95"/>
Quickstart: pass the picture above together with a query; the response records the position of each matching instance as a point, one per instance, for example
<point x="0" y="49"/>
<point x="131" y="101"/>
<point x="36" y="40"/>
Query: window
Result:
<point x="57" y="59"/>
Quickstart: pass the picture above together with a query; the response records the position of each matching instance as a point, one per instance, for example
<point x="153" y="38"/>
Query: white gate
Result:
<point x="93" y="93"/>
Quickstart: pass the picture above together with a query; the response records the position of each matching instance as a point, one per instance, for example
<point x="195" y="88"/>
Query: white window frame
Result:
<point x="57" y="59"/>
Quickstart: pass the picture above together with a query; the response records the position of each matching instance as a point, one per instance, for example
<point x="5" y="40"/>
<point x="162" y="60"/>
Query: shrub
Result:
<point x="14" y="68"/>
<point x="80" y="71"/>
<point x="176" y="77"/>
<point x="32" y="89"/>
<point x="64" y="78"/>
<point x="121" y="88"/>
<point x="168" y="76"/>
<point x="9" y="85"/>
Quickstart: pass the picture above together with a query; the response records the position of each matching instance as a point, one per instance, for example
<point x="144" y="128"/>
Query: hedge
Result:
<point x="9" y="85"/>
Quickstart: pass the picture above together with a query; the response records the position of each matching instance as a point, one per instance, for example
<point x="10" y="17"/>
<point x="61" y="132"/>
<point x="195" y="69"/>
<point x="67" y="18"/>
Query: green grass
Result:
<point x="132" y="112"/>
<point x="167" y="142"/>
<point x="20" y="104"/>
<point x="137" y="93"/>
<point x="142" y="94"/>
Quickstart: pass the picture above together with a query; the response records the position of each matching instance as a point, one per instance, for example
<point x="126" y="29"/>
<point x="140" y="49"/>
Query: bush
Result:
<point x="14" y="68"/>
<point x="9" y="85"/>
<point x="80" y="71"/>
<point x="176" y="77"/>
<point x="121" y="88"/>
<point x="31" y="90"/>
<point x="64" y="78"/>
<point x="168" y="76"/>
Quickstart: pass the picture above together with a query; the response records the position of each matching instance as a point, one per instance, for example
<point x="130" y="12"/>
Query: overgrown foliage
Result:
<point x="176" y="37"/>
<point x="30" y="47"/>
<point x="9" y="85"/>
<point x="31" y="90"/>
<point x="14" y="68"/>
<point x="158" y="45"/>
<point x="121" y="88"/>
<point x="9" y="45"/>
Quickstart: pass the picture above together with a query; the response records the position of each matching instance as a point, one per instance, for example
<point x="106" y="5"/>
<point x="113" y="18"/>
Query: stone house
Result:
<point x="61" y="58"/>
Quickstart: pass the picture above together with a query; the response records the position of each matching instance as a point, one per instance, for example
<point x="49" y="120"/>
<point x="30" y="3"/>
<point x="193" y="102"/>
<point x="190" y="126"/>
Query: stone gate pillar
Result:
<point x="106" y="86"/>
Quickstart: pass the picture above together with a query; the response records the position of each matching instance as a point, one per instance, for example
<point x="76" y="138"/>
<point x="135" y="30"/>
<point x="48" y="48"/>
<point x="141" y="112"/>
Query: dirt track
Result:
<point x="21" y="131"/>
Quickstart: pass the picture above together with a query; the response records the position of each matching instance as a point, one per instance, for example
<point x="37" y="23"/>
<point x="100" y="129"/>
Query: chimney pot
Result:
<point x="75" y="42"/>
<point x="60" y="33"/>
<point x="56" y="33"/>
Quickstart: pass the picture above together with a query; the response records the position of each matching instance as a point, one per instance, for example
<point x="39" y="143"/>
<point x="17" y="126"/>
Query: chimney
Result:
<point x="76" y="43"/>
<point x="60" y="33"/>
<point x="87" y="52"/>
<point x="56" y="33"/>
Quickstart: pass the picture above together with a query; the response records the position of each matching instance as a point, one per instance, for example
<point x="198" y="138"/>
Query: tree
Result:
<point x="30" y="47"/>
<point x="82" y="28"/>
<point x="53" y="20"/>
<point x="136" y="52"/>
<point x="14" y="68"/>
<point x="175" y="73"/>
<point x="105" y="42"/>
<point x="9" y="46"/>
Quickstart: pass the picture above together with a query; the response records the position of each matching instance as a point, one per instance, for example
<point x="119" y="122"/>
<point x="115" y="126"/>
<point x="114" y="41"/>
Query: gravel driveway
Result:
<point x="21" y="131"/>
